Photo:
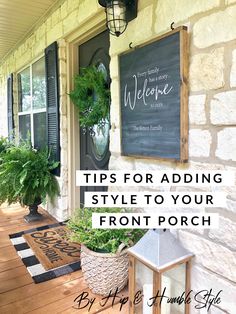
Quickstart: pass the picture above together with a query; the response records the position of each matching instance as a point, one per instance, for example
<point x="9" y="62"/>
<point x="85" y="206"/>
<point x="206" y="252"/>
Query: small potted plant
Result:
<point x="25" y="177"/>
<point x="104" y="258"/>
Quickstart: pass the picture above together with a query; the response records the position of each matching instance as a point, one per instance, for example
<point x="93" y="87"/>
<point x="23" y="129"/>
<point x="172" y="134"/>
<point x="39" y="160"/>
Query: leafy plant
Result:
<point x="100" y="240"/>
<point x="25" y="176"/>
<point x="91" y="96"/>
<point x="4" y="144"/>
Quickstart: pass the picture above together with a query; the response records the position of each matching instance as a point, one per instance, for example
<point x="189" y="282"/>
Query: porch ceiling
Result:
<point x="17" y="19"/>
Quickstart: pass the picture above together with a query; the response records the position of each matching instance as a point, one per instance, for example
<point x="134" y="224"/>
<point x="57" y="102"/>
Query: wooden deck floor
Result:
<point x="19" y="294"/>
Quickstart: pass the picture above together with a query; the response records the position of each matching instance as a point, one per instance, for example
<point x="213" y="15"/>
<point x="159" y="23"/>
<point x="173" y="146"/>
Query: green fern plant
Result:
<point x="4" y="145"/>
<point x="25" y="176"/>
<point x="100" y="240"/>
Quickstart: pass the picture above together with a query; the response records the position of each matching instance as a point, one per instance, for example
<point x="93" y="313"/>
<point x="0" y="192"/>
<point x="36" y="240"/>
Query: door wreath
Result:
<point x="91" y="95"/>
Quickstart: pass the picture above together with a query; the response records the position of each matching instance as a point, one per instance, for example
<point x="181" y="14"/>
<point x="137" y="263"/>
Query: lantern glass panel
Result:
<point x="174" y="282"/>
<point x="116" y="17"/>
<point x="144" y="283"/>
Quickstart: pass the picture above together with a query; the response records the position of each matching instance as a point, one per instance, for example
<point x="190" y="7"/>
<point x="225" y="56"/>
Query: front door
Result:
<point x="94" y="145"/>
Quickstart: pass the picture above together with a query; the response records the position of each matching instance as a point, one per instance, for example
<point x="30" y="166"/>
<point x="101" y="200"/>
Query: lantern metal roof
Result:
<point x="159" y="249"/>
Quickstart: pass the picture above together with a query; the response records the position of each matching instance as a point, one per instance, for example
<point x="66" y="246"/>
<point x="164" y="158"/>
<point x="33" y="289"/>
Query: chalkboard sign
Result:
<point x="154" y="98"/>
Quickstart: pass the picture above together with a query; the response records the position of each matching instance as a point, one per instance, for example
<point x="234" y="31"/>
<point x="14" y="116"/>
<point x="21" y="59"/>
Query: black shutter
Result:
<point x="10" y="103"/>
<point x="52" y="88"/>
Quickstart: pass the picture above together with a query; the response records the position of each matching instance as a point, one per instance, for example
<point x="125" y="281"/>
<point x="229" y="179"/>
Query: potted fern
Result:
<point x="104" y="259"/>
<point x="25" y="177"/>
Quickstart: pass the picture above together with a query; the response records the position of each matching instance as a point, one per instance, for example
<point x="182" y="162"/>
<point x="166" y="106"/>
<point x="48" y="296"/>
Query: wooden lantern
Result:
<point x="158" y="265"/>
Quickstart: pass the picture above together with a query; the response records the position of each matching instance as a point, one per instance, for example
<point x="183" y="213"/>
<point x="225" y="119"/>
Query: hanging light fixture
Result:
<point x="118" y="14"/>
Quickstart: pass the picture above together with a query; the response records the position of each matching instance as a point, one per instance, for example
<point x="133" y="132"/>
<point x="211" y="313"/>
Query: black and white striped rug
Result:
<point x="34" y="267"/>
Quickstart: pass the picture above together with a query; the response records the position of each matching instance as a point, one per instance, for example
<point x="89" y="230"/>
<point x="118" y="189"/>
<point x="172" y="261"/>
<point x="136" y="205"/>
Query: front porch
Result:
<point x="19" y="294"/>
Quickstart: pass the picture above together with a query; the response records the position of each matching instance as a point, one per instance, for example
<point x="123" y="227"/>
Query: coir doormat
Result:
<point x="46" y="253"/>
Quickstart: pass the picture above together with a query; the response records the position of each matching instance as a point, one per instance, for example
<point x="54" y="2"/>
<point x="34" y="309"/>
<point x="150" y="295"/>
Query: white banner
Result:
<point x="154" y="199"/>
<point x="154" y="178"/>
<point x="154" y="221"/>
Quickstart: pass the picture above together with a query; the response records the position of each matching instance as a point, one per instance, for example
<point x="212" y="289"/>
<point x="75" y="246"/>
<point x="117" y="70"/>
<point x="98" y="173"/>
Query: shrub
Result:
<point x="100" y="240"/>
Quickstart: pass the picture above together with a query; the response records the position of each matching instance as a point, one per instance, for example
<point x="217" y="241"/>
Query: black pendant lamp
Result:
<point x="118" y="14"/>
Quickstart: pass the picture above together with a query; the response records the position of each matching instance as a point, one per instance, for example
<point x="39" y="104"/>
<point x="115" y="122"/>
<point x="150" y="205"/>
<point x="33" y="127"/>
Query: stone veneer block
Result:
<point x="199" y="143"/>
<point x="225" y="233"/>
<point x="207" y="70"/>
<point x="72" y="5"/>
<point x="70" y="22"/>
<point x="231" y="204"/>
<point x="64" y="10"/>
<point x="226" y="144"/>
<point x="153" y="165"/>
<point x="202" y="279"/>
<point x="216" y="310"/>
<point x="55" y="32"/>
<point x="114" y="68"/>
<point x="168" y="11"/>
<point x="115" y="104"/>
<point x="215" y="28"/>
<point x="230" y="1"/>
<point x="233" y="70"/>
<point x="40" y="32"/>
<point x="138" y="31"/>
<point x="121" y="163"/>
<point x="196" y="166"/>
<point x="223" y="108"/>
<point x="87" y="8"/>
<point x="211" y="255"/>
<point x="39" y="48"/>
<point x="115" y="141"/>
<point x="56" y="17"/>
<point x="197" y="109"/>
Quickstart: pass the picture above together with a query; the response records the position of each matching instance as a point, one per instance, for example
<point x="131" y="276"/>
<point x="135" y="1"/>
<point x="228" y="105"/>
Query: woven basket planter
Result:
<point x="104" y="272"/>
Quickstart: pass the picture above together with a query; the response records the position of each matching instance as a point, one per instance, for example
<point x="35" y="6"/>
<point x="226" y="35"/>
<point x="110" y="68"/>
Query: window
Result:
<point x="32" y="104"/>
<point x="38" y="103"/>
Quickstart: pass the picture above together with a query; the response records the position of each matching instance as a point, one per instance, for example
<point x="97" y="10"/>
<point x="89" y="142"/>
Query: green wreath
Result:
<point x="91" y="96"/>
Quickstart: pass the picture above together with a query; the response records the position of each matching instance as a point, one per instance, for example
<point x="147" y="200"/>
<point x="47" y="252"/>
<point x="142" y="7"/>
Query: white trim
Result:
<point x="30" y="63"/>
<point x="31" y="106"/>
<point x="22" y="113"/>
<point x="83" y="33"/>
<point x="32" y="111"/>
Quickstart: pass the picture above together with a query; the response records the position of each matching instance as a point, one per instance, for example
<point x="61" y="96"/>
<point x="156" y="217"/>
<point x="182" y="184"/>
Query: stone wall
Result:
<point x="212" y="112"/>
<point x="212" y="129"/>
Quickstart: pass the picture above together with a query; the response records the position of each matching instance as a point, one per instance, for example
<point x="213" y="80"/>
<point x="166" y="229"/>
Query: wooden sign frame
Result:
<point x="183" y="100"/>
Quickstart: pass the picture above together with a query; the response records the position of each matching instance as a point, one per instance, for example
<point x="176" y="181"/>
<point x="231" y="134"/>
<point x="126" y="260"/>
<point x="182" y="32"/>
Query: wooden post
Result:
<point x="131" y="284"/>
<point x="156" y="288"/>
<point x="187" y="284"/>
<point x="184" y="56"/>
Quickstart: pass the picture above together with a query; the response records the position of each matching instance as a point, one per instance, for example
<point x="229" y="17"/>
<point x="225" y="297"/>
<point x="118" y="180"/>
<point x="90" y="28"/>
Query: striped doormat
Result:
<point x="37" y="271"/>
